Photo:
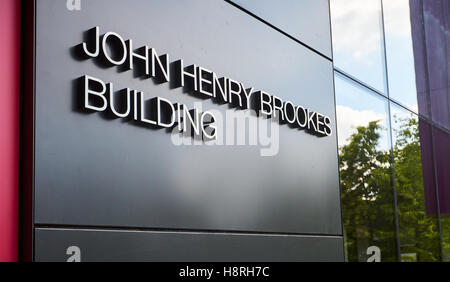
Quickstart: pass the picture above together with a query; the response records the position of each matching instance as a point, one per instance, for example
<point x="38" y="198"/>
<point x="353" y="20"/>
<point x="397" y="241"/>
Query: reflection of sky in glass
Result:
<point x="357" y="106"/>
<point x="399" y="53"/>
<point x="399" y="118"/>
<point x="358" y="40"/>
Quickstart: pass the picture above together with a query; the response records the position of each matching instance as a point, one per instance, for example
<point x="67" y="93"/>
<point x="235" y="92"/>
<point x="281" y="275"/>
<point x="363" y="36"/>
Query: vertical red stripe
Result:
<point x="9" y="127"/>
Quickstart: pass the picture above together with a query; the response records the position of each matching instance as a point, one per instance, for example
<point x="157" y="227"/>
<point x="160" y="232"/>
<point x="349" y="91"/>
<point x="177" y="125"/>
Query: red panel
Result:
<point x="9" y="127"/>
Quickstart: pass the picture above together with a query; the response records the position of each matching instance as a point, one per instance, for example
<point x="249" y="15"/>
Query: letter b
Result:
<point x="265" y="101"/>
<point x="94" y="88"/>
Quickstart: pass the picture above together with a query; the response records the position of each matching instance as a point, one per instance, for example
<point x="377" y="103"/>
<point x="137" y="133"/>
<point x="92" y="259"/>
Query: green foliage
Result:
<point x="368" y="195"/>
<point x="419" y="232"/>
<point x="445" y="224"/>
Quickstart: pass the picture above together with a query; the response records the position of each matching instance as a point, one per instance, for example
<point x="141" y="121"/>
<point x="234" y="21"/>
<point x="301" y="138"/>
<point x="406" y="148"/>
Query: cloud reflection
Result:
<point x="358" y="41"/>
<point x="349" y="119"/>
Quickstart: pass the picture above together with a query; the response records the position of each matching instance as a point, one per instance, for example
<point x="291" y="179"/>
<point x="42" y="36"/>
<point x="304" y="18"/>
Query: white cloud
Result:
<point x="356" y="27"/>
<point x="397" y="17"/>
<point x="349" y="119"/>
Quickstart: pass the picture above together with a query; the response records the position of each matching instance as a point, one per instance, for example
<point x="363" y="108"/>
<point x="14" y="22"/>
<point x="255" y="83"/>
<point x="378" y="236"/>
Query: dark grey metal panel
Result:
<point x="90" y="170"/>
<point x="96" y="245"/>
<point x="306" y="20"/>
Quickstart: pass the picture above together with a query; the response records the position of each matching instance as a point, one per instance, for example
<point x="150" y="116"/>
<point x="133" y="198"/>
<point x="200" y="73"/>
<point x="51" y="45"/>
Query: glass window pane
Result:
<point x="399" y="53"/>
<point x="358" y="47"/>
<point x="417" y="216"/>
<point x="365" y="173"/>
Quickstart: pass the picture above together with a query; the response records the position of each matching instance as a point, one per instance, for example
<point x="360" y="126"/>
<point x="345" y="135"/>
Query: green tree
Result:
<point x="419" y="233"/>
<point x="367" y="195"/>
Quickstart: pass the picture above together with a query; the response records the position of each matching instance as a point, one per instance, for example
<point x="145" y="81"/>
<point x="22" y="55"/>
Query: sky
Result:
<point x="357" y="106"/>
<point x="358" y="50"/>
<point x="358" y="45"/>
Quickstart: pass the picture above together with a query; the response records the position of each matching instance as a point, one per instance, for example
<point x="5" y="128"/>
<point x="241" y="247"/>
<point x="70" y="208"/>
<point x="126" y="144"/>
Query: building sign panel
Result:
<point x="179" y="115"/>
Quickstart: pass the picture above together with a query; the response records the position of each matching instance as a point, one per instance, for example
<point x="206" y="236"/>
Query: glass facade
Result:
<point x="399" y="53"/>
<point x="392" y="105"/>
<point x="365" y="170"/>
<point x="358" y="40"/>
<point x="418" y="224"/>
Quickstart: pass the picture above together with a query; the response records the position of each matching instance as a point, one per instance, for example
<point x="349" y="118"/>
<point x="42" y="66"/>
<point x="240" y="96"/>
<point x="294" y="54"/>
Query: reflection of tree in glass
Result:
<point x="367" y="195"/>
<point x="419" y="232"/>
<point x="445" y="224"/>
